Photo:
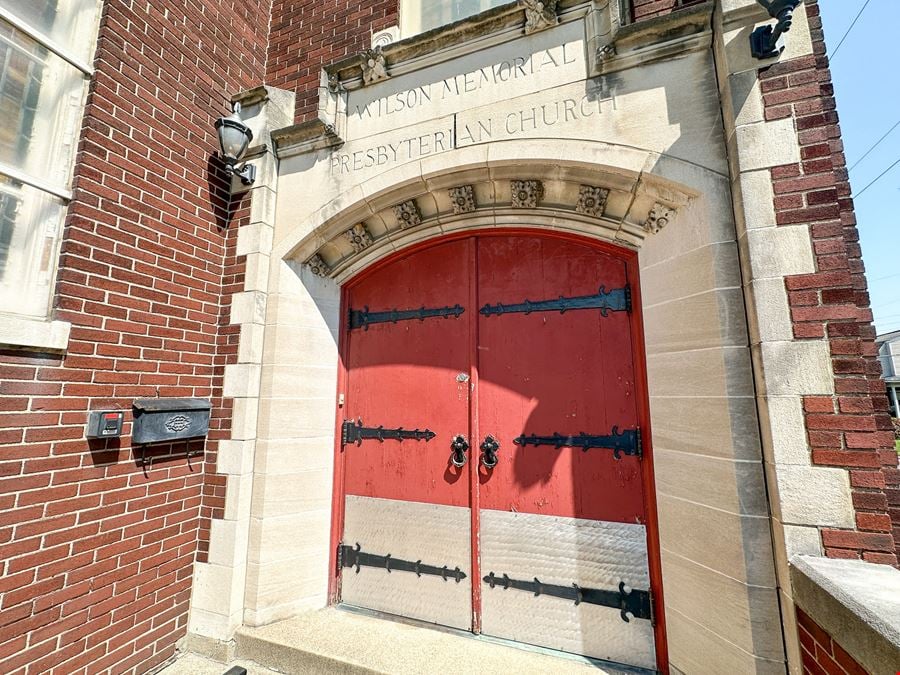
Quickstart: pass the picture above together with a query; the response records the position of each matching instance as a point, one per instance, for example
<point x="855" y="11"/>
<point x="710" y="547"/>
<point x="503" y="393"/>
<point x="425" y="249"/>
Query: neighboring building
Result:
<point x="540" y="320"/>
<point x="888" y="345"/>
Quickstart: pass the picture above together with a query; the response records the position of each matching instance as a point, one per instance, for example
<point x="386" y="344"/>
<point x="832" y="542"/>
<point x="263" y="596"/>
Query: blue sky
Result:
<point x="866" y="73"/>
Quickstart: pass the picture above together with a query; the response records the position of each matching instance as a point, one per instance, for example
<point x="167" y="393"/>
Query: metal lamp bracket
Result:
<point x="767" y="41"/>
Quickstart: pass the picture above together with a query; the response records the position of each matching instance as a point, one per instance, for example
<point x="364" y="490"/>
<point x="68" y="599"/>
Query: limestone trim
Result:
<point x="612" y="46"/>
<point x="217" y="597"/>
<point x="20" y="332"/>
<point x="410" y="202"/>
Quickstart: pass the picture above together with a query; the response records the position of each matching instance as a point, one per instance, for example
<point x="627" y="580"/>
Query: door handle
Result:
<point x="489" y="448"/>
<point x="459" y="445"/>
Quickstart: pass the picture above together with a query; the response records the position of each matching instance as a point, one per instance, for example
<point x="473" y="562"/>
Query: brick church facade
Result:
<point x="150" y="273"/>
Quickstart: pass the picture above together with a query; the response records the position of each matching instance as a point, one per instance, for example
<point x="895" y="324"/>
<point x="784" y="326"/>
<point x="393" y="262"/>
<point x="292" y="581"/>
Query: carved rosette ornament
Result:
<point x="658" y="218"/>
<point x="374" y="66"/>
<point x="526" y="194"/>
<point x="408" y="214"/>
<point x="539" y="15"/>
<point x="462" y="199"/>
<point x="318" y="266"/>
<point x="359" y="237"/>
<point x="591" y="200"/>
<point x="606" y="52"/>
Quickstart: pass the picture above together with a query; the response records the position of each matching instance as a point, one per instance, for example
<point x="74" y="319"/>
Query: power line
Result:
<point x="834" y="53"/>
<point x="877" y="143"/>
<point x="877" y="178"/>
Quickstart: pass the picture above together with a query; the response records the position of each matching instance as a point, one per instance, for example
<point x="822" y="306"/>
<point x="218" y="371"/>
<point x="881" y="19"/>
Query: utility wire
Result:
<point x="834" y="53"/>
<point x="877" y="143"/>
<point x="877" y="178"/>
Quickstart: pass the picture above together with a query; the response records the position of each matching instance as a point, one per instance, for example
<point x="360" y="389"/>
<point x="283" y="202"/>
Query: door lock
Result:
<point x="489" y="448"/>
<point x="459" y="445"/>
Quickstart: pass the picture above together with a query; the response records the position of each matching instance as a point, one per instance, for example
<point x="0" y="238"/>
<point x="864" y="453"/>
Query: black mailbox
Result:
<point x="169" y="419"/>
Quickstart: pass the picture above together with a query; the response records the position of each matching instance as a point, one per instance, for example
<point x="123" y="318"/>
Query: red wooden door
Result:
<point x="560" y="524"/>
<point x="405" y="501"/>
<point x="526" y="339"/>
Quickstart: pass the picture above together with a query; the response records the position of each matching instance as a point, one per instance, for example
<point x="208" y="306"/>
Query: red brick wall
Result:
<point x="96" y="550"/>
<point x="851" y="429"/>
<point x="308" y="35"/>
<point x="648" y="9"/>
<point x="820" y="653"/>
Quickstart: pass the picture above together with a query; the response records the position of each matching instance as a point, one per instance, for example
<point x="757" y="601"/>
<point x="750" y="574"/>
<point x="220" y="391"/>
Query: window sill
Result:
<point x="19" y="332"/>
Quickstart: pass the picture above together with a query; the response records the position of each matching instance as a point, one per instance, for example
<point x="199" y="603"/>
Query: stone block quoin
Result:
<point x="852" y="428"/>
<point x="97" y="550"/>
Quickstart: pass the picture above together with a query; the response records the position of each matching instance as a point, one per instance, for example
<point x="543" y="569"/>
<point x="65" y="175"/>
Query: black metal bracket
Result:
<point x="617" y="300"/>
<point x="767" y="41"/>
<point x="356" y="433"/>
<point x="363" y="318"/>
<point x="625" y="442"/>
<point x="355" y="557"/>
<point x="630" y="602"/>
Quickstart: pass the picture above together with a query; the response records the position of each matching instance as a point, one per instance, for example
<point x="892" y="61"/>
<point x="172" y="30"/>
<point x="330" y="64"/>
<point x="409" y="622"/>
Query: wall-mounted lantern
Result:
<point x="768" y="41"/>
<point x="234" y="137"/>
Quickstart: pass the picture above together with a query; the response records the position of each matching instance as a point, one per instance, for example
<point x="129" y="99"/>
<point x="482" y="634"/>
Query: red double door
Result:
<point x="495" y="474"/>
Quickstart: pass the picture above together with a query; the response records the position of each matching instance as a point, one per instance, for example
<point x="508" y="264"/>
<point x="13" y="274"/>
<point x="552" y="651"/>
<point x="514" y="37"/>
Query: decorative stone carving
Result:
<point x="539" y="14"/>
<point x="334" y="83"/>
<point x="606" y="52"/>
<point x="462" y="199"/>
<point x="526" y="194"/>
<point x="318" y="266"/>
<point x="408" y="214"/>
<point x="359" y="237"/>
<point x="374" y="66"/>
<point x="658" y="218"/>
<point x="591" y="200"/>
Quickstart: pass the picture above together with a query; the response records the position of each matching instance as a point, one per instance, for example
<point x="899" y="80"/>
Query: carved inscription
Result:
<point x="396" y="152"/>
<point x="512" y="69"/>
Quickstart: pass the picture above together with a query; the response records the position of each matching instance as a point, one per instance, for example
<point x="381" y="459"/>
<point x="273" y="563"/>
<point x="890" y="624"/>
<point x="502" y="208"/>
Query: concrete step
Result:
<point x="194" y="664"/>
<point x="348" y="643"/>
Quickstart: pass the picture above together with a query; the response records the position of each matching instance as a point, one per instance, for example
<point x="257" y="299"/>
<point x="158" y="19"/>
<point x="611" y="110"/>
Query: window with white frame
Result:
<point x="44" y="71"/>
<point x="418" y="16"/>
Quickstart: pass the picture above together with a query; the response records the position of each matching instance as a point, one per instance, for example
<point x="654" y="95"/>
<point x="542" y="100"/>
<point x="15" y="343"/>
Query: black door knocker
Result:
<point x="489" y="447"/>
<point x="459" y="445"/>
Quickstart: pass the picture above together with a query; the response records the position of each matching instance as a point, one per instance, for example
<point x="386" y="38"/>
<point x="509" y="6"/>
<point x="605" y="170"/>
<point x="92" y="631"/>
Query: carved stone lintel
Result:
<point x="318" y="266"/>
<point x="539" y="14"/>
<point x="526" y="194"/>
<point x="591" y="200"/>
<point x="374" y="66"/>
<point x="359" y="237"/>
<point x="658" y="217"/>
<point x="462" y="199"/>
<point x="408" y="214"/>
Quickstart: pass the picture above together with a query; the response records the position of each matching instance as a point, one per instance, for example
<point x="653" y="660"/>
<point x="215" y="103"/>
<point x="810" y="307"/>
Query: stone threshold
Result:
<point x="350" y="642"/>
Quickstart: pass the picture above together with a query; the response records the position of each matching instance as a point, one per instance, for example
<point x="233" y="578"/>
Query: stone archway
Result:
<point x="718" y="567"/>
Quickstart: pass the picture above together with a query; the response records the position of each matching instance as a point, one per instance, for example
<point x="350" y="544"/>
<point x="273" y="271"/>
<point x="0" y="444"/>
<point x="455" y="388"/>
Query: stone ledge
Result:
<point x="857" y="603"/>
<point x="19" y="332"/>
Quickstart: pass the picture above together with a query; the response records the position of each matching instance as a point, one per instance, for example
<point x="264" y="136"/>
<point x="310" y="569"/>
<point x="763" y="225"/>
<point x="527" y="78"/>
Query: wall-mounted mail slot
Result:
<point x="169" y="419"/>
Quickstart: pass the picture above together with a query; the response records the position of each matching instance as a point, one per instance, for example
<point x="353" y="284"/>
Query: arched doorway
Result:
<point x="494" y="467"/>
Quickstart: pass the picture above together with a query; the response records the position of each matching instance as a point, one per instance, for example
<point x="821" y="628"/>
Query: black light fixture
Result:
<point x="234" y="137"/>
<point x="767" y="41"/>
